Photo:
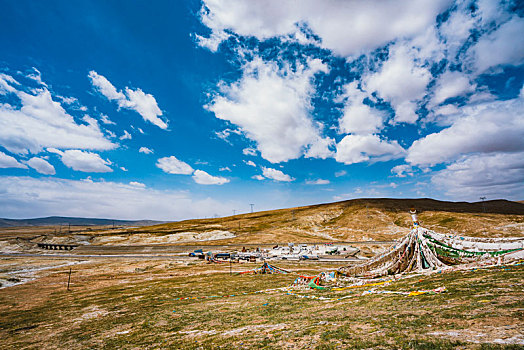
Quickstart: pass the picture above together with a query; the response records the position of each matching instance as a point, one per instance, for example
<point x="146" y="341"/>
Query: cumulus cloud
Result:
<point x="276" y="175"/>
<point x="137" y="184"/>
<point x="40" y="122"/>
<point x="172" y="165"/>
<point x="499" y="47"/>
<point x="451" y="84"/>
<point x="224" y="134"/>
<point x="250" y="163"/>
<point x="249" y="151"/>
<point x="353" y="26"/>
<point x="318" y="182"/>
<point x="6" y="82"/>
<point x="402" y="170"/>
<point x="258" y="177"/>
<point x="496" y="126"/>
<point x="24" y="196"/>
<point x="361" y="148"/>
<point x="41" y="165"/>
<point x="272" y="107"/>
<point x="203" y="178"/>
<point x="401" y="81"/>
<point x="137" y="100"/>
<point x="7" y="161"/>
<point x="83" y="161"/>
<point x="105" y="119"/>
<point x="358" y="117"/>
<point x="126" y="136"/>
<point x="490" y="175"/>
<point x="457" y="29"/>
<point x="145" y="150"/>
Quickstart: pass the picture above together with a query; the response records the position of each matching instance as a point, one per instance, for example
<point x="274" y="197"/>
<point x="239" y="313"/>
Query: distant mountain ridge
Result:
<point x="62" y="220"/>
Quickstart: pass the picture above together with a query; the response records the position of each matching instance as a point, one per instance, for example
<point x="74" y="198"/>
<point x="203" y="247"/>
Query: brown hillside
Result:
<point x="378" y="219"/>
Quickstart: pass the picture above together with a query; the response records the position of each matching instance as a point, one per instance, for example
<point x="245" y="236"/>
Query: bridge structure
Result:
<point x="54" y="246"/>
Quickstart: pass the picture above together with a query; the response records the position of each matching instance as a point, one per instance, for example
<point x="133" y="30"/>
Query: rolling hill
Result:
<point x="379" y="219"/>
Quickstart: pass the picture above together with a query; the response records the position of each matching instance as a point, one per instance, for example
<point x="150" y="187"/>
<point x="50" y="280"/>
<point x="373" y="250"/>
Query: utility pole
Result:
<point x="252" y="205"/>
<point x="234" y="212"/>
<point x="483" y="205"/>
<point x="69" y="279"/>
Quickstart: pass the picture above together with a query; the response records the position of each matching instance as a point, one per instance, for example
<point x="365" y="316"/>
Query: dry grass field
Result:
<point x="125" y="302"/>
<point x="133" y="304"/>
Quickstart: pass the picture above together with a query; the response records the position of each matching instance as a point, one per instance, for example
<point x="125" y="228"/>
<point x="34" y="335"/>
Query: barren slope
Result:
<point x="354" y="220"/>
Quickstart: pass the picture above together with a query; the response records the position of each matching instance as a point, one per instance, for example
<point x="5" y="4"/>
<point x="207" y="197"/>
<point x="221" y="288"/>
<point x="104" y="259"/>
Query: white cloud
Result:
<point x="457" y="29"/>
<point x="68" y="100"/>
<point x="451" y="84"/>
<point x="213" y="41"/>
<point x="500" y="47"/>
<point x="359" y="118"/>
<point x="272" y="107"/>
<point x="258" y="177"/>
<point x="362" y="148"/>
<point x="225" y="169"/>
<point x="41" y="165"/>
<point x="24" y="197"/>
<point x="126" y="136"/>
<point x="83" y="161"/>
<point x="321" y="148"/>
<point x="203" y="178"/>
<point x="276" y="175"/>
<point x="105" y="119"/>
<point x="318" y="182"/>
<point x="224" y="134"/>
<point x="499" y="175"/>
<point x="144" y="104"/>
<point x="41" y="122"/>
<point x="172" y="165"/>
<point x="123" y="168"/>
<point x="483" y="128"/>
<point x="345" y="27"/>
<point x="249" y="151"/>
<point x="340" y="173"/>
<point x="402" y="170"/>
<point x="250" y="163"/>
<point x="137" y="184"/>
<point x="145" y="150"/>
<point x="6" y="82"/>
<point x="36" y="76"/>
<point x="401" y="81"/>
<point x="7" y="161"/>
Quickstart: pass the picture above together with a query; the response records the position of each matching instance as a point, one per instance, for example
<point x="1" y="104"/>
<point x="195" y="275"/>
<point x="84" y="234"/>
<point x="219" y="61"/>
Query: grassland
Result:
<point x="133" y="303"/>
<point x="130" y="304"/>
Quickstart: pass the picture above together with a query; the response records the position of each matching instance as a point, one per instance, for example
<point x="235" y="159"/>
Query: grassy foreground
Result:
<point x="132" y="305"/>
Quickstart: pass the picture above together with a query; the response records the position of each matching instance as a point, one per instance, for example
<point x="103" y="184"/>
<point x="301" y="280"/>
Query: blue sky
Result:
<point x="186" y="109"/>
